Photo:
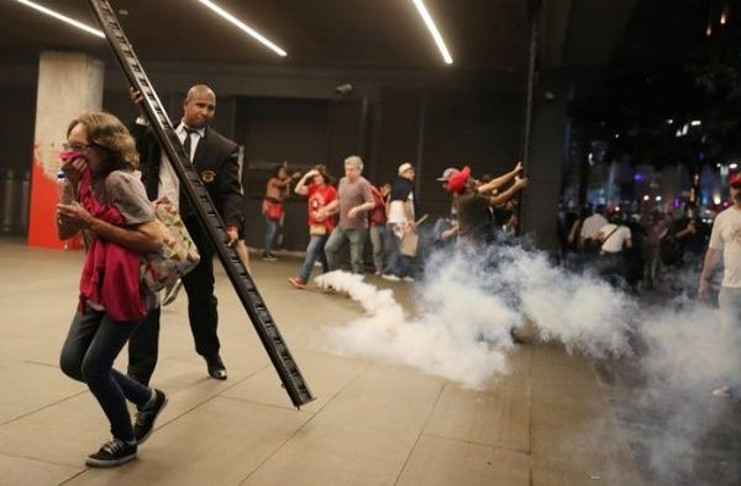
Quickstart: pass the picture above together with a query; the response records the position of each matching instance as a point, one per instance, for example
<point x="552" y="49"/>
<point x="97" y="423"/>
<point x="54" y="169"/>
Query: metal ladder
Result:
<point x="210" y="220"/>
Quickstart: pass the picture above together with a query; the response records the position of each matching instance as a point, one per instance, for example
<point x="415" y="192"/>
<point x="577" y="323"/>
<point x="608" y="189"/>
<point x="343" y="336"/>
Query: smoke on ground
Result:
<point x="470" y="300"/>
<point x="467" y="306"/>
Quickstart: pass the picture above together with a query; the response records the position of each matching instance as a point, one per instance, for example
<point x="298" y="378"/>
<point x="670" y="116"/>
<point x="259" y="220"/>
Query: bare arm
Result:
<point x="690" y="229"/>
<point x="712" y="257"/>
<point x="500" y="181"/>
<point x="509" y="193"/>
<point x="332" y="207"/>
<point x="142" y="238"/>
<point x="301" y="188"/>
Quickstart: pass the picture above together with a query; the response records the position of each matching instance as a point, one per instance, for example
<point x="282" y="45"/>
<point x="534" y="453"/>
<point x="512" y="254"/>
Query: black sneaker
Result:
<point x="112" y="454"/>
<point x="268" y="257"/>
<point x="147" y="415"/>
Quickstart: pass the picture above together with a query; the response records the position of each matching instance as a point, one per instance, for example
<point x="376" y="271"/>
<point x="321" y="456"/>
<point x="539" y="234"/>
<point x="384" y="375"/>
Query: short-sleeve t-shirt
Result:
<point x="125" y="190"/>
<point x="353" y="194"/>
<point x="726" y="237"/>
<point x="474" y="216"/>
<point x="402" y="192"/>
<point x="318" y="198"/>
<point x="613" y="237"/>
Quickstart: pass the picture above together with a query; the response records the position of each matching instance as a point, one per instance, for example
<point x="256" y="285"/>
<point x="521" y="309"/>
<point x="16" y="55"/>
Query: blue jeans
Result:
<point x="337" y="240"/>
<point x="314" y="250"/>
<point x="398" y="264"/>
<point x="729" y="301"/>
<point x="379" y="244"/>
<point x="271" y="229"/>
<point x="93" y="342"/>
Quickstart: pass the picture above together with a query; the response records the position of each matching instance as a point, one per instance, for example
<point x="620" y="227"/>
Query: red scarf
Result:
<point x="110" y="276"/>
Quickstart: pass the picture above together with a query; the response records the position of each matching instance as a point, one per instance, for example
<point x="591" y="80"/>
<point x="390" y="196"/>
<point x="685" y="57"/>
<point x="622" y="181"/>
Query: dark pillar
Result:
<point x="544" y="166"/>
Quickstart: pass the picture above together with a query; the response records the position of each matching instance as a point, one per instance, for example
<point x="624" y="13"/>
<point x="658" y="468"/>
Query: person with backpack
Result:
<point x="614" y="238"/>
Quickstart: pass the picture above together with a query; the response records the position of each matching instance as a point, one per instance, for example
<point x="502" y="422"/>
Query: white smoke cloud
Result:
<point x="468" y="304"/>
<point x="469" y="301"/>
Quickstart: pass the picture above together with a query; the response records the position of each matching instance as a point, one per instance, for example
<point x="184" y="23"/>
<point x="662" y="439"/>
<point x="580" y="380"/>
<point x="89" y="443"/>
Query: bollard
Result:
<point x="8" y="206"/>
<point x="25" y="203"/>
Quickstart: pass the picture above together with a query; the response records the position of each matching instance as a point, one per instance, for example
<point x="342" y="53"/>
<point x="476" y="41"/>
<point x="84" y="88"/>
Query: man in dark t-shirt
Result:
<point x="473" y="201"/>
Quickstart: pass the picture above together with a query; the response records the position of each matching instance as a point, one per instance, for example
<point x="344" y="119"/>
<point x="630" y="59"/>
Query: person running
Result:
<point x="110" y="207"/>
<point x="321" y="194"/>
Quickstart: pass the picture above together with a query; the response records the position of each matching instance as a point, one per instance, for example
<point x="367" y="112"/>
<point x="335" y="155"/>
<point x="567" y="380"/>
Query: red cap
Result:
<point x="735" y="179"/>
<point x="457" y="182"/>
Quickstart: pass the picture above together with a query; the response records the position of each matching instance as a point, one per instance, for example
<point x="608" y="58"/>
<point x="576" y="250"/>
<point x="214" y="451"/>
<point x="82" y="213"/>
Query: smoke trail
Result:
<point x="468" y="305"/>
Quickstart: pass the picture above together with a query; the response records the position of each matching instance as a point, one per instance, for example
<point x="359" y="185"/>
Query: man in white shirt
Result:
<point x="589" y="235"/>
<point x="725" y="241"/>
<point x="614" y="237"/>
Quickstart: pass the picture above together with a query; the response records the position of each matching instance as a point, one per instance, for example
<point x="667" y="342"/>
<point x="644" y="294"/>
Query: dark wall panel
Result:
<point x="19" y="107"/>
<point x="398" y="133"/>
<point x="274" y="131"/>
<point x="480" y="129"/>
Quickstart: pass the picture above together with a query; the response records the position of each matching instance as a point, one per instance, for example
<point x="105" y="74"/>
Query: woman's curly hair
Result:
<point x="107" y="132"/>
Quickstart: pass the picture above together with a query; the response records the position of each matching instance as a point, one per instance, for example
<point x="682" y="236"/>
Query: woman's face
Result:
<point x="318" y="179"/>
<point x="79" y="142"/>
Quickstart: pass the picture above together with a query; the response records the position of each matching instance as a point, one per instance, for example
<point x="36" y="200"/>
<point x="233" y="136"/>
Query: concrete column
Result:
<point x="540" y="200"/>
<point x="68" y="84"/>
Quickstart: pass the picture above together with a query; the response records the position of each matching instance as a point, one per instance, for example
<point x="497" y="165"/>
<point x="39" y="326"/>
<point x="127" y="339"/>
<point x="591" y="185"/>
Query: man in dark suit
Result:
<point x="215" y="159"/>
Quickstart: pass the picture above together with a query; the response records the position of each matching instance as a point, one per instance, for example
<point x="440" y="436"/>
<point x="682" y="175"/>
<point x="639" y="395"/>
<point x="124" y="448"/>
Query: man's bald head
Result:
<point x="199" y="89"/>
<point x="199" y="106"/>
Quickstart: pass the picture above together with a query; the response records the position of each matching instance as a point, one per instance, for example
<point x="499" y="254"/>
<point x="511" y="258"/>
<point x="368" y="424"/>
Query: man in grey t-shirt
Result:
<point x="354" y="198"/>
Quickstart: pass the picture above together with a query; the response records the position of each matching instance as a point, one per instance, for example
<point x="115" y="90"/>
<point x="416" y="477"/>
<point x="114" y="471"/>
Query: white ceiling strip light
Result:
<point x="63" y="18"/>
<point x="433" y="30"/>
<point x="245" y="28"/>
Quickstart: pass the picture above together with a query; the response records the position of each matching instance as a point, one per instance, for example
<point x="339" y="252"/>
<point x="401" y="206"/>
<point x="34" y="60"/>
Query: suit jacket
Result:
<point x="215" y="160"/>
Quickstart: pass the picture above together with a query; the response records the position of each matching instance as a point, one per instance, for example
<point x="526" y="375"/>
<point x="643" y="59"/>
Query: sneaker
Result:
<point x="112" y="454"/>
<point x="147" y="415"/>
<point x="268" y="257"/>
<point x="408" y="279"/>
<point x="390" y="277"/>
<point x="171" y="292"/>
<point x="723" y="391"/>
<point x="378" y="272"/>
<point x="298" y="282"/>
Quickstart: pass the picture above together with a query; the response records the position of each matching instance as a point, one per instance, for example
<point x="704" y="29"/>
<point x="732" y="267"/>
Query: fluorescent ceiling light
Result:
<point x="244" y="27"/>
<point x="63" y="18"/>
<point x="433" y="30"/>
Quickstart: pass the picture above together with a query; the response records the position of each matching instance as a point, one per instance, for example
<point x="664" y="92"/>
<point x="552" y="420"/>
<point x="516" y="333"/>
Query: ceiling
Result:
<point x="482" y="35"/>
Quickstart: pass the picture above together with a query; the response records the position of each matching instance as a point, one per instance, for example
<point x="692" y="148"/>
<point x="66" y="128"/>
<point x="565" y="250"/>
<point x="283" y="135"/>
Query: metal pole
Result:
<point x="534" y="11"/>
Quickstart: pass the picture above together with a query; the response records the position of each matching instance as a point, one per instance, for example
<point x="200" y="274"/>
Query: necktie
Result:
<point x="186" y="142"/>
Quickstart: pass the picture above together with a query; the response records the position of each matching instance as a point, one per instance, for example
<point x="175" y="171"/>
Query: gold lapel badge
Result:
<point x="208" y="176"/>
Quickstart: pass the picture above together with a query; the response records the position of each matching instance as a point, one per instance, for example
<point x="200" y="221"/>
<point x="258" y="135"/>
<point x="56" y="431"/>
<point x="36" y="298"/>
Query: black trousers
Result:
<point x="199" y="285"/>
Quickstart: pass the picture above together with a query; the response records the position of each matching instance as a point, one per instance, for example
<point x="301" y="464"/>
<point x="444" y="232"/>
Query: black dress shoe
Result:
<point x="216" y="368"/>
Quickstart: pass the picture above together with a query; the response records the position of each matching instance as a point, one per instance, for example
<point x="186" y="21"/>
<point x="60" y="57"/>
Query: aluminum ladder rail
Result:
<point x="209" y="218"/>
